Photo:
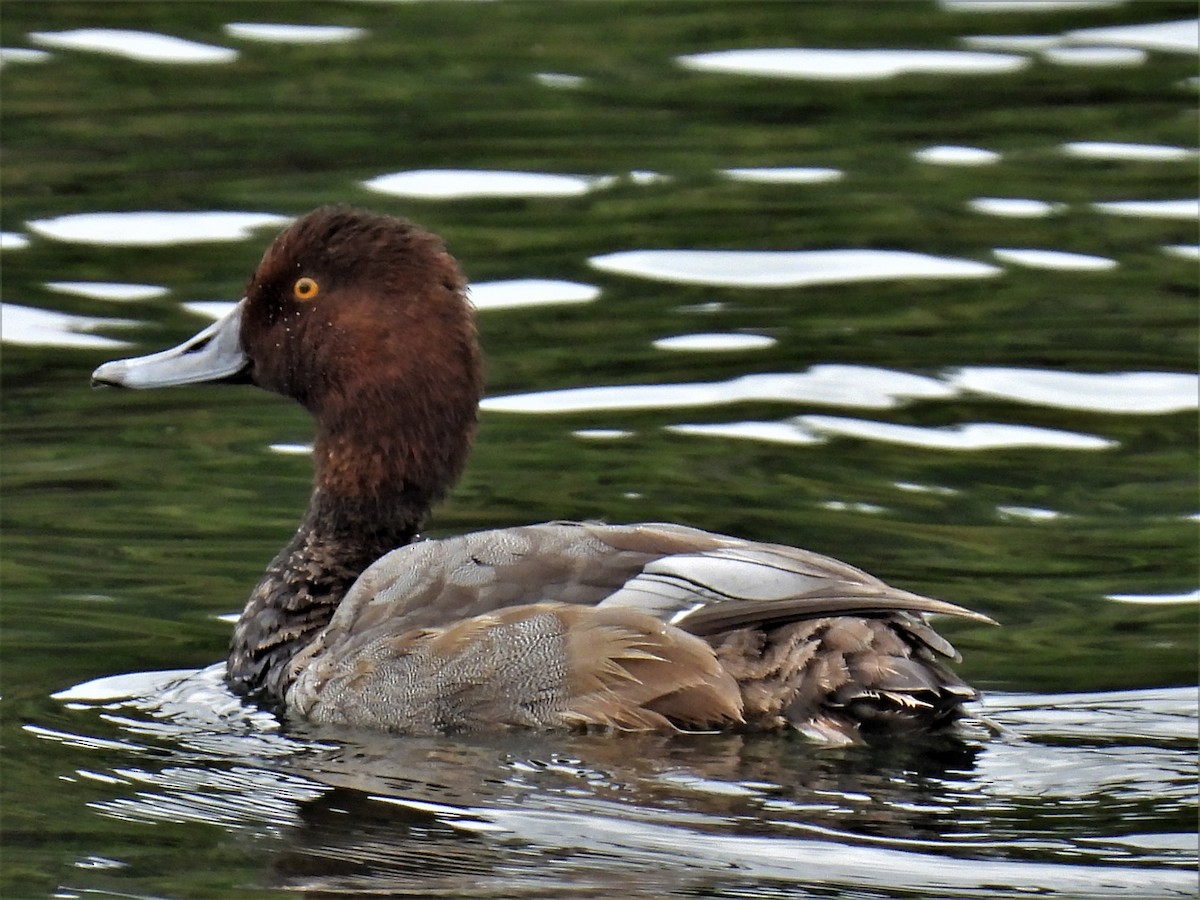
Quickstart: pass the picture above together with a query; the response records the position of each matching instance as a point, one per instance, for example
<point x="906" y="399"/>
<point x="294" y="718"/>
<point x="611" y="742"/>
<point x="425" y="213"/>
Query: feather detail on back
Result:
<point x="631" y="670"/>
<point x="627" y="627"/>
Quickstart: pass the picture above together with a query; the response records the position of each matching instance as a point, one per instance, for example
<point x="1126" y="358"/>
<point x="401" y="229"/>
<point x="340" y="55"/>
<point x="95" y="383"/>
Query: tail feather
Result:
<point x="841" y="678"/>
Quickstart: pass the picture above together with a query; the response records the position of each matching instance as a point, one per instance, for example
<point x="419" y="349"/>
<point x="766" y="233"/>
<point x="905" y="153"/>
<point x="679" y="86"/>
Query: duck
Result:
<point x="365" y="320"/>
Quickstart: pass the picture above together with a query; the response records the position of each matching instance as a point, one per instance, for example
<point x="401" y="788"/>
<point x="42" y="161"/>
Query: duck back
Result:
<point x="639" y="626"/>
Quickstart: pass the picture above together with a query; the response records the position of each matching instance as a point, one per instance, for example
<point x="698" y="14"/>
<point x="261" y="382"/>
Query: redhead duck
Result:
<point x="364" y="319"/>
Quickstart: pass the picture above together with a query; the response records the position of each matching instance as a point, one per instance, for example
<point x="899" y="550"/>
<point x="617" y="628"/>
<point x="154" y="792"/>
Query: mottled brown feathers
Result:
<point x="545" y="665"/>
<point x="630" y="670"/>
<point x="426" y="614"/>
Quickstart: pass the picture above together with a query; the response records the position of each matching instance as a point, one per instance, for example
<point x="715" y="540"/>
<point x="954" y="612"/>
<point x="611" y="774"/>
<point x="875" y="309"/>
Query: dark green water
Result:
<point x="132" y="521"/>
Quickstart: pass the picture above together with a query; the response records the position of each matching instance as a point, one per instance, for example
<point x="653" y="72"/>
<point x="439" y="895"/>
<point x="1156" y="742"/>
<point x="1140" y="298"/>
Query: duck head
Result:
<point x="364" y="320"/>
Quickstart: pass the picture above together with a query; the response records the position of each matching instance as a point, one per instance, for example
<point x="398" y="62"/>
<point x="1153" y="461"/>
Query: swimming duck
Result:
<point x="365" y="320"/>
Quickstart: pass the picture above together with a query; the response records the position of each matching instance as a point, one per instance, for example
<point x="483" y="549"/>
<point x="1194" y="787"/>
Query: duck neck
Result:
<point x="384" y="455"/>
<point x="348" y="525"/>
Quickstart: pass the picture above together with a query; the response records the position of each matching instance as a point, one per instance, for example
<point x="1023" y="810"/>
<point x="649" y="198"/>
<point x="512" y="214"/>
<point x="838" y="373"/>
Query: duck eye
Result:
<point x="305" y="288"/>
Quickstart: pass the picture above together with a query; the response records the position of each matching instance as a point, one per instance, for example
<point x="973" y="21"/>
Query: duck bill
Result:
<point x="215" y="354"/>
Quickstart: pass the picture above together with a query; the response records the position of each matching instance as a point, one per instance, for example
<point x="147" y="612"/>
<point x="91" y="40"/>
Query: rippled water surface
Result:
<point x="912" y="284"/>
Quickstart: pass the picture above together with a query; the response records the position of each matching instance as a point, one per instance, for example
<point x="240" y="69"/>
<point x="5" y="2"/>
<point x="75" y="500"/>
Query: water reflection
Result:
<point x="865" y="387"/>
<point x="953" y="155"/>
<point x="357" y="812"/>
<point x="21" y="55"/>
<point x="210" y="309"/>
<point x="1157" y="599"/>
<point x="785" y="175"/>
<point x="560" y="80"/>
<point x="969" y="436"/>
<point x="1168" y="37"/>
<point x="107" y="290"/>
<point x="1151" y="209"/>
<point x="1111" y="392"/>
<point x="45" y="328"/>
<point x="1183" y="251"/>
<point x="143" y="46"/>
<point x="1117" y="57"/>
<point x="1112" y="150"/>
<point x="1024" y="6"/>
<point x="1054" y="259"/>
<point x="851" y="65"/>
<point x="520" y="292"/>
<point x="153" y="229"/>
<point x="861" y="387"/>
<point x="714" y="343"/>
<point x="293" y="34"/>
<point x="1015" y="207"/>
<point x="460" y="184"/>
<point x="779" y="269"/>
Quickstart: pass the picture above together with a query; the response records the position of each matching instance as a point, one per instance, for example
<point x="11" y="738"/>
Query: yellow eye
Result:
<point x="305" y="288"/>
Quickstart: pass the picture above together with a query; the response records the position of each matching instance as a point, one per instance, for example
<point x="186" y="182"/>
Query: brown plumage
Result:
<point x="364" y="320"/>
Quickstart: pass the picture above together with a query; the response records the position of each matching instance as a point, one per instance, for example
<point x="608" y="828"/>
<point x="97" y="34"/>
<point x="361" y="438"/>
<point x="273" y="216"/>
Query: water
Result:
<point x="966" y="362"/>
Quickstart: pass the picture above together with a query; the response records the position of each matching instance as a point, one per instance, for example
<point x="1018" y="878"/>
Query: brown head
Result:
<point x="364" y="320"/>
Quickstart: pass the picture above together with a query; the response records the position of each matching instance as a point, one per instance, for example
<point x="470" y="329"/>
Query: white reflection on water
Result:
<point x="971" y="436"/>
<point x="601" y="434"/>
<point x="861" y="387"/>
<point x="1157" y="599"/>
<point x="953" y="155"/>
<point x="785" y="175"/>
<point x="210" y="309"/>
<point x="143" y="46"/>
<point x="850" y="65"/>
<point x="778" y="268"/>
<point x="1152" y="209"/>
<point x="560" y="80"/>
<point x="646" y="176"/>
<point x="121" y="687"/>
<point x="1029" y="513"/>
<point x="1020" y="43"/>
<point x="842" y="860"/>
<point x="715" y="342"/>
<point x="293" y="34"/>
<point x="851" y="506"/>
<point x="915" y="488"/>
<point x="787" y="431"/>
<point x="1015" y="207"/>
<point x="34" y="327"/>
<point x="107" y="290"/>
<point x="1116" y="57"/>
<point x="865" y="387"/>
<point x="1108" y="392"/>
<point x="458" y="184"/>
<point x="1024" y="6"/>
<point x="1054" y="259"/>
<point x="21" y="55"/>
<point x="1172" y="37"/>
<point x="1113" y="150"/>
<point x="286" y="450"/>
<point x="1183" y="251"/>
<point x="153" y="229"/>
<point x="12" y="240"/>
<point x="519" y="292"/>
